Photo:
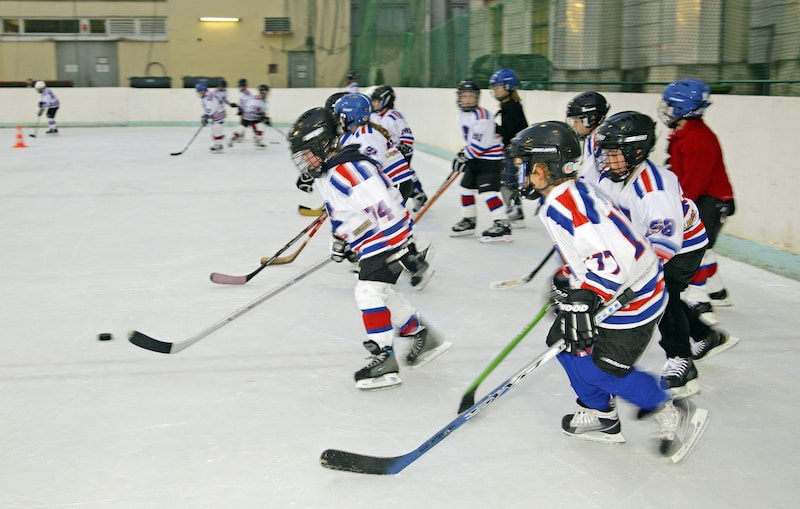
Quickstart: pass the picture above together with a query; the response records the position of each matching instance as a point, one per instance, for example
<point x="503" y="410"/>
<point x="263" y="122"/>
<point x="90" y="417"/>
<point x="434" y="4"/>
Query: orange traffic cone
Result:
<point x="20" y="139"/>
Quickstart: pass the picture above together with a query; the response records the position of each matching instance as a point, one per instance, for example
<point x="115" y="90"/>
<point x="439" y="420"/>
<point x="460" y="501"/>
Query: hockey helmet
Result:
<point x="384" y="94"/>
<point x="353" y="110"/>
<point x="201" y="86"/>
<point x="353" y="76"/>
<point x="687" y="98"/>
<point x="242" y="83"/>
<point x="590" y="107"/>
<point x="222" y="83"/>
<point x="552" y="143"/>
<point x="314" y="131"/>
<point x="505" y="77"/>
<point x="468" y="86"/>
<point x="633" y="133"/>
<point x="39" y="85"/>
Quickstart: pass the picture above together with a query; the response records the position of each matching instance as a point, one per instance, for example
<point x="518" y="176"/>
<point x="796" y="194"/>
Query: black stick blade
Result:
<point x="468" y="400"/>
<point x="361" y="464"/>
<point x="148" y="343"/>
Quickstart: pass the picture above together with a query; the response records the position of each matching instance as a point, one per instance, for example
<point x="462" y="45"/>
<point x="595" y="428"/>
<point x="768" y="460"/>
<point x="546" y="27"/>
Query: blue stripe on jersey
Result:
<point x="623" y="227"/>
<point x="561" y="220"/>
<point x="603" y="282"/>
<point x="645" y="316"/>
<point x="588" y="202"/>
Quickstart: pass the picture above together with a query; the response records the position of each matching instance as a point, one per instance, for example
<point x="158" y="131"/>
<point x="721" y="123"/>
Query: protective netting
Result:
<point x="745" y="47"/>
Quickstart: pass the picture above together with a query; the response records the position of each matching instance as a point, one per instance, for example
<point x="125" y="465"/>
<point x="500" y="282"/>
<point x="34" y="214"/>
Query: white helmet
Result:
<point x="39" y="85"/>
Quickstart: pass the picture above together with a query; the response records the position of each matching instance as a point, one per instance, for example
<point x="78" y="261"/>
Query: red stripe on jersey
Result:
<point x="568" y="201"/>
<point x="347" y="174"/>
<point x="645" y="300"/>
<point x="647" y="181"/>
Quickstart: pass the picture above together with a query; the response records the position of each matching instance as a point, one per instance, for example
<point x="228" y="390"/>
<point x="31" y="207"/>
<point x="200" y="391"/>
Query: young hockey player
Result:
<point x="604" y="257"/>
<point x="48" y="102"/>
<point x="252" y="112"/>
<point x="352" y="82"/>
<point x="214" y="112"/>
<point x="695" y="156"/>
<point x="504" y="85"/>
<point x="585" y="112"/>
<point x="652" y="199"/>
<point x="368" y="217"/>
<point x="481" y="162"/>
<point x="385" y="115"/>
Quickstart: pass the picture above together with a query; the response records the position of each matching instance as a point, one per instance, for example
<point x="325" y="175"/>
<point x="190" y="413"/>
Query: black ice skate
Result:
<point x="463" y="228"/>
<point x="679" y="375"/>
<point x="499" y="232"/>
<point x="716" y="342"/>
<point x="681" y="424"/>
<point x="595" y="425"/>
<point x="425" y="348"/>
<point x="382" y="369"/>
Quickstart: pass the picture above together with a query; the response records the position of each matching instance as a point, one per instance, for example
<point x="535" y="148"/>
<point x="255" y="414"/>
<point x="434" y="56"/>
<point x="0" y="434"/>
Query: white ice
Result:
<point x="102" y="231"/>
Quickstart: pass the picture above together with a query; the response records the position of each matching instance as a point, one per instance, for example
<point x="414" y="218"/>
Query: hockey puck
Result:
<point x="104" y="336"/>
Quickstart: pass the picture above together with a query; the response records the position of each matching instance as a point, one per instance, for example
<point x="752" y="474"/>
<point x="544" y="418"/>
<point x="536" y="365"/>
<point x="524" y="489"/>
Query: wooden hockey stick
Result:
<point x="513" y="283"/>
<point x="450" y="179"/>
<point x="190" y="142"/>
<point x="308" y="211"/>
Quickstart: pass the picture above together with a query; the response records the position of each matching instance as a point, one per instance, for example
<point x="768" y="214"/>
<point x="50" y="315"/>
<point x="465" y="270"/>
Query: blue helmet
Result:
<point x="687" y="98"/>
<point x="353" y="110"/>
<point x="201" y="86"/>
<point x="506" y="77"/>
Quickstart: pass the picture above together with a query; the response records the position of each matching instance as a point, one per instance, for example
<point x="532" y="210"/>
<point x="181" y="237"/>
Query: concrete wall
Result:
<point x="753" y="131"/>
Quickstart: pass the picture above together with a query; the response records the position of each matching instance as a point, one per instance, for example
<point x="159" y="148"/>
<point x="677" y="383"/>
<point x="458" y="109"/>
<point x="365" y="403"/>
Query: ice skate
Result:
<point x="418" y="201"/>
<point x="679" y="376"/>
<point x="716" y="342"/>
<point x="681" y="424"/>
<point x="52" y="130"/>
<point x="594" y="425"/>
<point x="425" y="348"/>
<point x="216" y="148"/>
<point x="720" y="298"/>
<point x="382" y="369"/>
<point x="234" y="138"/>
<point x="704" y="311"/>
<point x="499" y="232"/>
<point x="516" y="217"/>
<point x="423" y="273"/>
<point x="259" y="142"/>
<point x="463" y="228"/>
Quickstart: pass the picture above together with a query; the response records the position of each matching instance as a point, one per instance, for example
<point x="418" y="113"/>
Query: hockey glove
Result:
<point x="460" y="162"/>
<point x="204" y="120"/>
<point x="559" y="288"/>
<point x="39" y="113"/>
<point x="404" y="149"/>
<point x="340" y="251"/>
<point x="576" y="317"/>
<point x="268" y="121"/>
<point x="726" y="208"/>
<point x="305" y="183"/>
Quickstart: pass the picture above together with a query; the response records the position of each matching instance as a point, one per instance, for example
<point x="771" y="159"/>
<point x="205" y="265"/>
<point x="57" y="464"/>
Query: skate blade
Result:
<point x="380" y="382"/>
<point x="690" y="388"/>
<point x="732" y="341"/>
<point x="425" y="280"/>
<point x="431" y="355"/>
<point x="597" y="436"/>
<point x="492" y="240"/>
<point x="709" y="318"/>
<point x="697" y="426"/>
<point x="465" y="233"/>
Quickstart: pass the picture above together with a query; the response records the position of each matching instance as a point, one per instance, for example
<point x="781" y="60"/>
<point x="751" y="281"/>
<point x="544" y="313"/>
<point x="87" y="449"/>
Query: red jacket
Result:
<point x="695" y="156"/>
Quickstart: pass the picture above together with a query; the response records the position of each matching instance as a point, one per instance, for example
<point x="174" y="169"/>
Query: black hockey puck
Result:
<point x="104" y="336"/>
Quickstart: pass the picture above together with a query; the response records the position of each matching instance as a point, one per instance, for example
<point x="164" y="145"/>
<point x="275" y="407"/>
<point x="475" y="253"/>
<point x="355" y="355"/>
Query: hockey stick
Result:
<point x="35" y="128"/>
<point x="450" y="179"/>
<point x="190" y="142"/>
<point x="513" y="283"/>
<point x="156" y="345"/>
<point x="283" y="260"/>
<point x="308" y="211"/>
<point x="360" y="463"/>
<point x="469" y="396"/>
<point x="225" y="279"/>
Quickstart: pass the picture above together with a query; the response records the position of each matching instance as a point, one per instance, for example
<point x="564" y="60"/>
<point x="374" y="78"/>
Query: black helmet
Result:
<point x="221" y="83"/>
<point x="314" y="130"/>
<point x="353" y="75"/>
<point x="384" y="94"/>
<point x="552" y="143"/>
<point x="263" y="88"/>
<point x="242" y="82"/>
<point x="633" y="133"/>
<point x="331" y="100"/>
<point x="468" y="85"/>
<point x="590" y="107"/>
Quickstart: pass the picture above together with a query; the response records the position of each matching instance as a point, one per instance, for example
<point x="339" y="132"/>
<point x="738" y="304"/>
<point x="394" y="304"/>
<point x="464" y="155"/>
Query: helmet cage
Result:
<point x="552" y="143"/>
<point x="315" y="132"/>
<point x="633" y="134"/>
<point x="468" y="86"/>
<point x="384" y="94"/>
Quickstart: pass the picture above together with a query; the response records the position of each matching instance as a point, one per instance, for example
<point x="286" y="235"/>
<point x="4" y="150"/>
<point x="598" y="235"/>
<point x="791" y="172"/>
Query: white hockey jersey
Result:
<point x="213" y="107"/>
<point x="365" y="209"/>
<point x="376" y="146"/>
<point x="603" y="251"/>
<point x="479" y="133"/>
<point x="394" y="122"/>
<point x="48" y="99"/>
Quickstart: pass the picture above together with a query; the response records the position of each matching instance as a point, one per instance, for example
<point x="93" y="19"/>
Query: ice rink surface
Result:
<point x="103" y="231"/>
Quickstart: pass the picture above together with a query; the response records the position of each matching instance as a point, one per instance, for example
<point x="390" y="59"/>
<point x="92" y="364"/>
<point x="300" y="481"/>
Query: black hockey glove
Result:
<point x="39" y="113"/>
<point x="576" y="316"/>
<point x="234" y="105"/>
<point x="204" y="120"/>
<point x="405" y="150"/>
<point x="305" y="183"/>
<point x="726" y="208"/>
<point x="268" y="121"/>
<point x="559" y="289"/>
<point x="41" y="105"/>
<point x="460" y="162"/>
<point x="340" y="251"/>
